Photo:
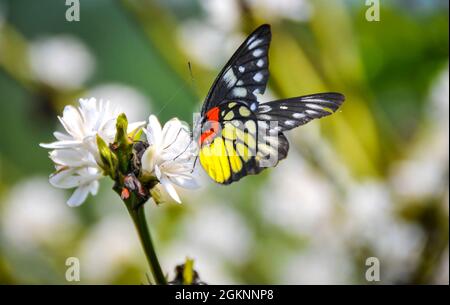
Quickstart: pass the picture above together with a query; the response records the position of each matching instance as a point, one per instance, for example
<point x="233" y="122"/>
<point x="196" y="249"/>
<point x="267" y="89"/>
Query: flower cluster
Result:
<point x="80" y="161"/>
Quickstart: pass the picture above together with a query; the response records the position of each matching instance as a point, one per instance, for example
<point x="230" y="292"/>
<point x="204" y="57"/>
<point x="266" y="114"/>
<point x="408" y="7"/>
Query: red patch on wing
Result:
<point x="213" y="114"/>
<point x="213" y="119"/>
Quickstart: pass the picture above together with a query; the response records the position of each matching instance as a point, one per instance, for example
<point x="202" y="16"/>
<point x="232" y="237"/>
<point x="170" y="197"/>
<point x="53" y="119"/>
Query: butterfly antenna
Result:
<point x="191" y="73"/>
<point x="192" y="76"/>
<point x="195" y="162"/>
<point x="198" y="122"/>
<point x="184" y="150"/>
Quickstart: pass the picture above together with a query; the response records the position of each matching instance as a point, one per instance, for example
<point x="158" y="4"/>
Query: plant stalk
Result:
<point x="138" y="215"/>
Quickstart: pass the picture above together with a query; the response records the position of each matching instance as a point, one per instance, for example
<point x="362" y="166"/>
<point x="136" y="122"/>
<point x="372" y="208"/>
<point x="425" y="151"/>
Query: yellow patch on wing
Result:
<point x="229" y="131"/>
<point x="207" y="161"/>
<point x="229" y="116"/>
<point x="214" y="159"/>
<point x="243" y="151"/>
<point x="235" y="161"/>
<point x="244" y="111"/>
<point x="221" y="157"/>
<point x="250" y="126"/>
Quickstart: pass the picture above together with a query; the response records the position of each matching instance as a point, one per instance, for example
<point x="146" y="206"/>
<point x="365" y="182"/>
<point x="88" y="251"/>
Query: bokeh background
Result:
<point x="371" y="180"/>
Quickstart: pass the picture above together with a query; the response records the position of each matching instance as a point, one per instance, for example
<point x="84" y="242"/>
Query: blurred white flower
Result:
<point x="297" y="198"/>
<point x="220" y="231"/>
<point x="32" y="214"/>
<point x="221" y="44"/>
<point x="124" y="97"/>
<point x="210" y="268"/>
<point x="222" y="14"/>
<point x="320" y="264"/>
<point x="297" y="10"/>
<point x="169" y="156"/>
<point x="424" y="173"/>
<point x="110" y="245"/>
<point x="75" y="153"/>
<point x="61" y="61"/>
<point x="371" y="221"/>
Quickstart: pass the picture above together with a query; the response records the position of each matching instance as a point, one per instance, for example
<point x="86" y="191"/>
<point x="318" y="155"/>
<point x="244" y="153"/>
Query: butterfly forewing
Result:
<point x="245" y="74"/>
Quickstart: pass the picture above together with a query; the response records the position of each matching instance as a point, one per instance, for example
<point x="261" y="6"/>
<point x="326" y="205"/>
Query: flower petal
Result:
<point x="148" y="160"/>
<point x="154" y="131"/>
<point x="135" y="126"/>
<point x="60" y="136"/>
<point x="61" y="144"/>
<point x="72" y="122"/>
<point x="79" y="196"/>
<point x="188" y="183"/>
<point x="94" y="186"/>
<point x="71" y="158"/>
<point x="64" y="179"/>
<point x="158" y="172"/>
<point x="170" y="189"/>
<point x="170" y="132"/>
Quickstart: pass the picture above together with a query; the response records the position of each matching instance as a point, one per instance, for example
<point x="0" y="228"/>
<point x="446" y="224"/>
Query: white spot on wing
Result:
<point x="250" y="40"/>
<point x="298" y="115"/>
<point x="253" y="107"/>
<point x="289" y="123"/>
<point x="312" y="112"/>
<point x="241" y="69"/>
<point x="313" y="106"/>
<point x="229" y="78"/>
<point x="255" y="43"/>
<point x="283" y="107"/>
<point x="240" y="92"/>
<point x="264" y="108"/>
<point x="260" y="63"/>
<point x="240" y="83"/>
<point x="265" y="117"/>
<point x="258" y="77"/>
<point x="263" y="124"/>
<point x="257" y="52"/>
<point x="314" y="100"/>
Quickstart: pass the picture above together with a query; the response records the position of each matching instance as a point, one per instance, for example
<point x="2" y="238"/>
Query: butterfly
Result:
<point x="239" y="136"/>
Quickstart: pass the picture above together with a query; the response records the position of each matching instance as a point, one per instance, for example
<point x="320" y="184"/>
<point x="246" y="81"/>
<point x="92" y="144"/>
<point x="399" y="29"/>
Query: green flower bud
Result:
<point x="108" y="158"/>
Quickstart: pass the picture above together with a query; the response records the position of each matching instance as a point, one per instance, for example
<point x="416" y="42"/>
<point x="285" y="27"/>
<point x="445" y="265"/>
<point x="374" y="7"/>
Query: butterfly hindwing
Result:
<point x="296" y="111"/>
<point x="245" y="74"/>
<point x="231" y="154"/>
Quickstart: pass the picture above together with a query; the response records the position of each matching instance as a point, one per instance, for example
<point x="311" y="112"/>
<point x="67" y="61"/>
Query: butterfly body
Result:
<point x="240" y="136"/>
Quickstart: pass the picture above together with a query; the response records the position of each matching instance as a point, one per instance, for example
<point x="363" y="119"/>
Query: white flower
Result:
<point x="61" y="61"/>
<point x="169" y="156"/>
<point x="75" y="153"/>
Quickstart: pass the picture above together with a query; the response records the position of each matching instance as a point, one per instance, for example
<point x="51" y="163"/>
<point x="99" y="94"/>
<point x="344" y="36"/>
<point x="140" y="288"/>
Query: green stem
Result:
<point x="138" y="216"/>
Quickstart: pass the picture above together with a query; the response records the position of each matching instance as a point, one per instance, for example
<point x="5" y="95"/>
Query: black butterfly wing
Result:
<point x="245" y="74"/>
<point x="292" y="112"/>
<point x="278" y="116"/>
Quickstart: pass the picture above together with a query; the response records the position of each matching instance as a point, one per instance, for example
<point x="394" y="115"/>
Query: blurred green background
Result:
<point x="371" y="180"/>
